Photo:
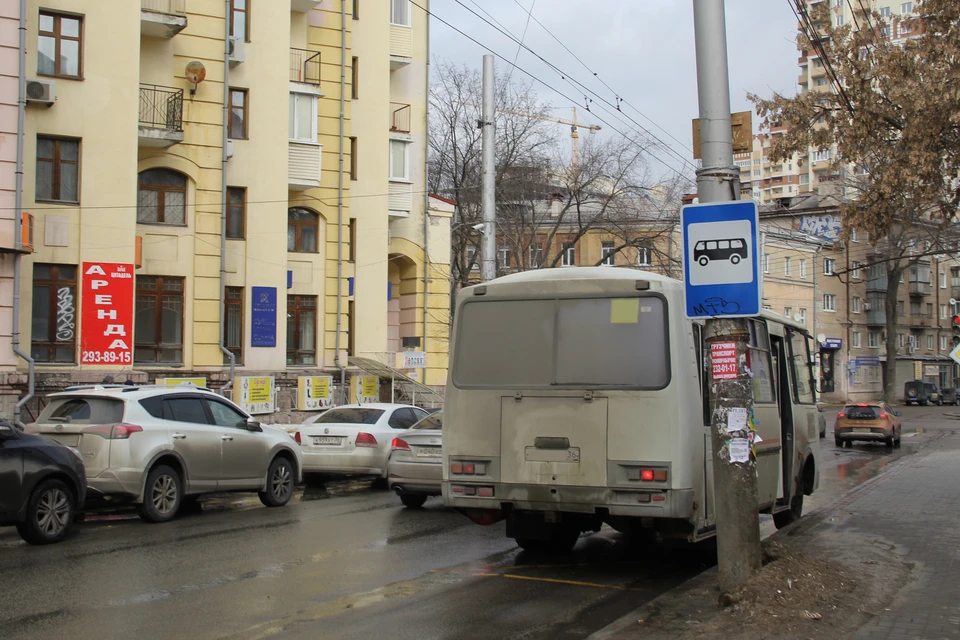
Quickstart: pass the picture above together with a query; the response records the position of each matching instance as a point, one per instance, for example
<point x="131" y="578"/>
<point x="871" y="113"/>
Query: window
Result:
<point x="821" y="82"/>
<point x="854" y="236"/>
<point x="943" y="312"/>
<point x="568" y="257"/>
<point x="224" y="415"/>
<point x="929" y="342"/>
<point x="855" y="304"/>
<point x="158" y="320"/>
<point x="821" y="154"/>
<point x="239" y="24"/>
<point x="539" y="343"/>
<point x="788" y="312"/>
<point x="58" y="169"/>
<point x="349" y="416"/>
<point x="943" y="280"/>
<point x="356" y="9"/>
<point x="60" y="45"/>
<point x="89" y="410"/>
<point x="786" y="265"/>
<point x="756" y="173"/>
<point x="929" y="310"/>
<point x="162" y="197"/>
<point x="759" y="350"/>
<point x="233" y="322"/>
<point x="829" y="302"/>
<point x="766" y="263"/>
<point x="54" y="313"/>
<point x="856" y="339"/>
<point x="607" y="253"/>
<point x="236" y="212"/>
<point x="855" y="272"/>
<point x="503" y="256"/>
<point x="803" y="317"/>
<point x="840" y="20"/>
<point x="803" y="389"/>
<point x="829" y="264"/>
<point x="189" y="409"/>
<point x="900" y="341"/>
<point x="473" y="258"/>
<point x="354" y="78"/>
<point x="943" y="343"/>
<point x="399" y="160"/>
<point x="301" y="330"/>
<point x="900" y="308"/>
<point x="303" y="118"/>
<point x="644" y="254"/>
<point x="405" y="417"/>
<point x="238" y="114"/>
<point x="353" y="157"/>
<point x="536" y="255"/>
<point x="302" y="228"/>
<point x="873" y="339"/>
<point x="400" y="12"/>
<point x="884" y="12"/>
<point x="352" y="256"/>
<point x="803" y="268"/>
<point x="906" y="7"/>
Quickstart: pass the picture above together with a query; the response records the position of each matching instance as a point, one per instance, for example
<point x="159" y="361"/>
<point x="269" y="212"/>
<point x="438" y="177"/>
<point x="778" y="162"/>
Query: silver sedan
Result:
<point x="415" y="468"/>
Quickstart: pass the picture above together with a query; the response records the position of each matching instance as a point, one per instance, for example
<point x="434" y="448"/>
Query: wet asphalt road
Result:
<point x="346" y="561"/>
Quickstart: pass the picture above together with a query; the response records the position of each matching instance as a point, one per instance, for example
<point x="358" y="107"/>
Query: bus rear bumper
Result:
<point x="667" y="503"/>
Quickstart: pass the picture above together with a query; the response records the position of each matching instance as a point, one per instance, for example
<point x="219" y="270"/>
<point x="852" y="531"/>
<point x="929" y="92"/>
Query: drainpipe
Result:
<point x="223" y="196"/>
<point x="426" y="201"/>
<point x="18" y="215"/>
<point x="343" y="88"/>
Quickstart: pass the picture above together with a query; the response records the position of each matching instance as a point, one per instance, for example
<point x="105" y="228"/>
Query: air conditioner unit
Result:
<point x="910" y="349"/>
<point x="229" y="148"/>
<point x="235" y="49"/>
<point x="867" y="306"/>
<point x="41" y="92"/>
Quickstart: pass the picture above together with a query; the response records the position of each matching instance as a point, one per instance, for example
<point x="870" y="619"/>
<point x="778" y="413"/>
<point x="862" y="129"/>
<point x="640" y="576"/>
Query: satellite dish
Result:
<point x="821" y="337"/>
<point x="195" y="72"/>
<point x="797" y="317"/>
<point x="953" y="301"/>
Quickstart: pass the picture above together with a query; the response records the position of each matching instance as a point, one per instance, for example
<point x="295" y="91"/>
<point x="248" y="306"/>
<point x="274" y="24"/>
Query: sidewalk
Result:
<point x="896" y="537"/>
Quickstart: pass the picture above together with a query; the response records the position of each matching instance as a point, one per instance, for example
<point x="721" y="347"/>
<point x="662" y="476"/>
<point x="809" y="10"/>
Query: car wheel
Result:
<point x="162" y="495"/>
<point x="49" y="513"/>
<point x="889" y="442"/>
<point x="782" y="519"/>
<point x="279" y="483"/>
<point x="703" y="261"/>
<point x="838" y="442"/>
<point x="412" y="500"/>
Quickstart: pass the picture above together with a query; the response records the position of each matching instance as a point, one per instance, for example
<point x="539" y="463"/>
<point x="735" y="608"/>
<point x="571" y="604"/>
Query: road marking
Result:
<point x="576" y="583"/>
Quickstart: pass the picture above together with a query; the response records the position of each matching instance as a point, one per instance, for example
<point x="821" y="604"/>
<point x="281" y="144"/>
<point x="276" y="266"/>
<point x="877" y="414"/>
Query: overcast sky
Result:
<point x="642" y="49"/>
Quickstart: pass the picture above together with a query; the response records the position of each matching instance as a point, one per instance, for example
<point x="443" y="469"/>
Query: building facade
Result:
<point x="275" y="207"/>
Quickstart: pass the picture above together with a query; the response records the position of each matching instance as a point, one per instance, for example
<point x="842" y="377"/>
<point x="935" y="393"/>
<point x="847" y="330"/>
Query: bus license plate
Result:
<point x="429" y="452"/>
<point x="334" y="440"/>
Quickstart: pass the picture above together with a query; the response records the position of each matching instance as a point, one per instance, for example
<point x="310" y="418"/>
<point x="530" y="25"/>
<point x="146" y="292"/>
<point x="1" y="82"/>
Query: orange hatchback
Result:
<point x="871" y="421"/>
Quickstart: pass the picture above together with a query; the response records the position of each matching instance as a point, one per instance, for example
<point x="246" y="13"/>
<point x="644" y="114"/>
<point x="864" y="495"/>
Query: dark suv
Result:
<point x="42" y="485"/>
<point x="921" y="393"/>
<point x="949" y="396"/>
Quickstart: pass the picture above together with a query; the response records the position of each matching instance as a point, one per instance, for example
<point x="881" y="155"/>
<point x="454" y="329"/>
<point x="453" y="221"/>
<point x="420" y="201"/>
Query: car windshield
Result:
<point x="433" y="421"/>
<point x="350" y="416"/>
<point x="90" y="410"/>
<point x="863" y="413"/>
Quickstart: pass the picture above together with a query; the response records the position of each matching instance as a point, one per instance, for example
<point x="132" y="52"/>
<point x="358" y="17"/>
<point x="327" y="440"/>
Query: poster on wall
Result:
<point x="255" y="395"/>
<point x="106" y="313"/>
<point x="263" y="317"/>
<point x="314" y="392"/>
<point x="364" y="389"/>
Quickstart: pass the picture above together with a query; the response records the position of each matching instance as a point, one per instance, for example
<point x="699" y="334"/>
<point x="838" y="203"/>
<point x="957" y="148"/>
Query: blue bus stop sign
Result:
<point x="721" y="266"/>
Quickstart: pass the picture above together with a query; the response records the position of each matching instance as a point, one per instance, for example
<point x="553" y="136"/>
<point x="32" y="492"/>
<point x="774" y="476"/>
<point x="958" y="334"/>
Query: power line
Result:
<point x="562" y="74"/>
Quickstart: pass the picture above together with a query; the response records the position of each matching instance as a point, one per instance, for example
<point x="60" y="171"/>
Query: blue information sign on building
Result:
<point x="721" y="266"/>
<point x="263" y="317"/>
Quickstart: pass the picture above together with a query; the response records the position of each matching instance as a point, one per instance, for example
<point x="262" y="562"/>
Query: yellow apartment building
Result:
<point x="260" y="169"/>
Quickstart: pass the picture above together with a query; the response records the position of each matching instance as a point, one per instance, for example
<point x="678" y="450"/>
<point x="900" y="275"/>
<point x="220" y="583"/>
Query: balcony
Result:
<point x="877" y="281"/>
<point x="303" y="166"/>
<point x="161" y="116"/>
<point x="876" y="317"/>
<point x="305" y="66"/>
<point x="162" y="18"/>
<point x="399" y="117"/>
<point x="920" y="320"/>
<point x="955" y="291"/>
<point x="401" y="46"/>
<point x="302" y="6"/>
<point x="919" y="288"/>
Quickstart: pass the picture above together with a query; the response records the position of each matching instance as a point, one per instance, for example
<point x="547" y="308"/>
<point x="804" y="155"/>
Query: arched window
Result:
<point x="302" y="225"/>
<point x="162" y="197"/>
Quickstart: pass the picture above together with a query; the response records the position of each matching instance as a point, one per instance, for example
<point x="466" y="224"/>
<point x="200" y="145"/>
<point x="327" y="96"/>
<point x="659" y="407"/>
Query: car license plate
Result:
<point x="861" y="430"/>
<point x="334" y="440"/>
<point x="429" y="452"/>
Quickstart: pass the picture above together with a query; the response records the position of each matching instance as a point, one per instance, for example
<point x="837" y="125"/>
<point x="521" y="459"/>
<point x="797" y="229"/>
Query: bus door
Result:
<point x="785" y="400"/>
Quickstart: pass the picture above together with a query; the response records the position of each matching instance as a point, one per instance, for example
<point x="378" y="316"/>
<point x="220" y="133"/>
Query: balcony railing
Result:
<point x="399" y="117"/>
<point x="305" y="66"/>
<point x="876" y="317"/>
<point x="918" y="288"/>
<point x="161" y="107"/>
<point x="171" y="7"/>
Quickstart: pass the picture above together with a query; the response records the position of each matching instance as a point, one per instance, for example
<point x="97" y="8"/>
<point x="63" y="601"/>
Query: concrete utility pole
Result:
<point x="488" y="269"/>
<point x="734" y="483"/>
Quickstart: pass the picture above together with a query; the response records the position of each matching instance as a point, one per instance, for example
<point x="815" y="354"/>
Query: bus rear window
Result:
<point x="581" y="342"/>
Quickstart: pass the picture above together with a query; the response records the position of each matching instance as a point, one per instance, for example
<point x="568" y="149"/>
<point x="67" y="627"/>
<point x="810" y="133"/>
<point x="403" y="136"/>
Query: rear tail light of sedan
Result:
<point x="297" y="437"/>
<point x="399" y="443"/>
<point x="365" y="439"/>
<point x="113" y="432"/>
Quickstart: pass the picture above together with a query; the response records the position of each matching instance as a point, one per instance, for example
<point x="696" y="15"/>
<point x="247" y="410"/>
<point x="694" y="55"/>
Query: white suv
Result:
<point x="162" y="446"/>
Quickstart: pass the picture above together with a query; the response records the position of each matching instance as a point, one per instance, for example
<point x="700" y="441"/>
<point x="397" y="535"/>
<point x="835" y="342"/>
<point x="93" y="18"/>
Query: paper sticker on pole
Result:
<point x="721" y="269"/>
<point x="106" y="304"/>
<point x="723" y="360"/>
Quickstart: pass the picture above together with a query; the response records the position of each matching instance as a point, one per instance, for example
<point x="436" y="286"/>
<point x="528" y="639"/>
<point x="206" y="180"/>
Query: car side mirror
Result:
<point x="7" y="432"/>
<point x="253" y="425"/>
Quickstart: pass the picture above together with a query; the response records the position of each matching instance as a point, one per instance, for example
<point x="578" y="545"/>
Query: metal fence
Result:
<point x="173" y="7"/>
<point x="399" y="117"/>
<point x="161" y="107"/>
<point x="305" y="66"/>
